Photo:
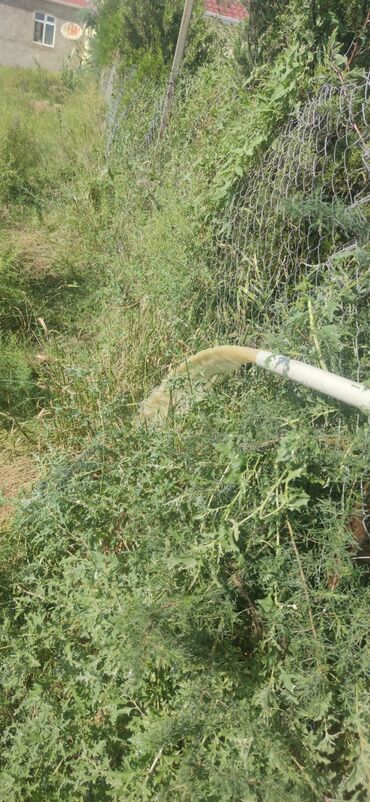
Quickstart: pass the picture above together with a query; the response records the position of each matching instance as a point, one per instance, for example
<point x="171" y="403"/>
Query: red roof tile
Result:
<point x="79" y="3"/>
<point x="226" y="8"/>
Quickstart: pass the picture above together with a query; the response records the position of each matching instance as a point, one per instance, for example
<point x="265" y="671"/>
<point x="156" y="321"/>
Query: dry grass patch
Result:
<point x="35" y="250"/>
<point x="17" y="474"/>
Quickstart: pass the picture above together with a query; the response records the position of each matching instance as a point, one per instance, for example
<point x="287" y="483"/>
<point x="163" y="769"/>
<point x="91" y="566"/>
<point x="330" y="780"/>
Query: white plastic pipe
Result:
<point x="204" y="366"/>
<point x="350" y="392"/>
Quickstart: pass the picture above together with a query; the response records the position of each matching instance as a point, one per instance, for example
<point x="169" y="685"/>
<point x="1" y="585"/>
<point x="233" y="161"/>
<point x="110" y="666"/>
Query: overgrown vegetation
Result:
<point x="51" y="224"/>
<point x="143" y="34"/>
<point x="184" y="615"/>
<point x="271" y="25"/>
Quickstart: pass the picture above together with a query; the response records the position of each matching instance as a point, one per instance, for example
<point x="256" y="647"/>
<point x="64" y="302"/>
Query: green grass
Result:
<point x="51" y="256"/>
<point x="159" y="609"/>
<point x="170" y="625"/>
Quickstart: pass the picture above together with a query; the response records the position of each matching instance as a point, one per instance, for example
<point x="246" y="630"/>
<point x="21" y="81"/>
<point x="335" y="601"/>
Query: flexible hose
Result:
<point x="200" y="369"/>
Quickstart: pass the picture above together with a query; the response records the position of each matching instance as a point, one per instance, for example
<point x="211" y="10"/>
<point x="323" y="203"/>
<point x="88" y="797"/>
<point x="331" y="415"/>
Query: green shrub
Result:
<point x="144" y="33"/>
<point x="183" y="615"/>
<point x="269" y="28"/>
<point x="166" y="633"/>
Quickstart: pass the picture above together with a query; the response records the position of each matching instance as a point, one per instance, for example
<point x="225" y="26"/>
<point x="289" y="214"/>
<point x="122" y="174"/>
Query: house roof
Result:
<point x="226" y="10"/>
<point x="78" y="3"/>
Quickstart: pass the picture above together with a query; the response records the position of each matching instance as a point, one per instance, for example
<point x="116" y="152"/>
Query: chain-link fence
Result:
<point x="291" y="220"/>
<point x="130" y="95"/>
<point x="303" y="206"/>
<point x="112" y="90"/>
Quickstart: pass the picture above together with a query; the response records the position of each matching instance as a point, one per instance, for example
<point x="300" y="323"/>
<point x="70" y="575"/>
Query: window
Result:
<point x="44" y="32"/>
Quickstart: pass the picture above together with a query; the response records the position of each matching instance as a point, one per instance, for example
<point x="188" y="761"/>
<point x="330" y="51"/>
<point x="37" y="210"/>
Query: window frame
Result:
<point x="47" y="19"/>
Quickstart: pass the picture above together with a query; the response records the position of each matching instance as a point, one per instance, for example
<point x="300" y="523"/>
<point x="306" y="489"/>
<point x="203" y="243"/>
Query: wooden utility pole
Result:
<point x="177" y="59"/>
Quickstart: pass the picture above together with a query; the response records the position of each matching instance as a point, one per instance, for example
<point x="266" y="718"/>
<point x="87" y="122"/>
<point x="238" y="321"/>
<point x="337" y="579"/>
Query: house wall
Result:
<point x="17" y="48"/>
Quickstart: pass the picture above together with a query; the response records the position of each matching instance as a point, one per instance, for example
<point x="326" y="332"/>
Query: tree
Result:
<point x="140" y="29"/>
